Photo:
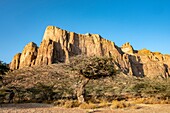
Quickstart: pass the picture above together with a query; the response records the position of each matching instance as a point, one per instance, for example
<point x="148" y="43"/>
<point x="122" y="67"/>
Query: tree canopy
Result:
<point x="94" y="67"/>
<point x="98" y="67"/>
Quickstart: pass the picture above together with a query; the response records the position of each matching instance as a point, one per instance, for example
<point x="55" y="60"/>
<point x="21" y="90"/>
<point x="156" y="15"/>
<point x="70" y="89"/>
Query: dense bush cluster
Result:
<point x="152" y="88"/>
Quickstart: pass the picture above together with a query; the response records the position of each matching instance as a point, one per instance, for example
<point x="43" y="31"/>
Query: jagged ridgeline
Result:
<point x="60" y="45"/>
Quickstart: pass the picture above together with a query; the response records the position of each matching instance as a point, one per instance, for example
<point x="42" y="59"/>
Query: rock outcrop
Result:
<point x="127" y="48"/>
<point x="154" y="63"/>
<point x="59" y="45"/>
<point x="28" y="55"/>
<point x="26" y="58"/>
<point x="15" y="62"/>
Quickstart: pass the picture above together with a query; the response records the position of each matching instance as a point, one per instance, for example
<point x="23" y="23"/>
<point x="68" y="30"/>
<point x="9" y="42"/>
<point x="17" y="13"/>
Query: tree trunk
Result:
<point x="81" y="90"/>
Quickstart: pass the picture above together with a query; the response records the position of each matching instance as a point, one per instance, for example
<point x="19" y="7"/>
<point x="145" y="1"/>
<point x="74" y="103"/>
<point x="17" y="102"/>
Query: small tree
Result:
<point x="91" y="68"/>
<point x="3" y="68"/>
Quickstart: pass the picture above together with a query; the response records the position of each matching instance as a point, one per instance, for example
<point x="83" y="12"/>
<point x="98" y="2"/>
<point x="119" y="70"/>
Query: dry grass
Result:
<point x="138" y="100"/>
<point x="104" y="103"/>
<point x="150" y="101"/>
<point x="71" y="104"/>
<point x="67" y="103"/>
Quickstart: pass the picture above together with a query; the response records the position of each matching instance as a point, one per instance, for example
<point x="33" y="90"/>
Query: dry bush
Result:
<point x="71" y="104"/>
<point x="88" y="106"/>
<point x="67" y="103"/>
<point x="119" y="104"/>
<point x="59" y="103"/>
<point x="151" y="101"/>
<point x="104" y="103"/>
<point x="138" y="100"/>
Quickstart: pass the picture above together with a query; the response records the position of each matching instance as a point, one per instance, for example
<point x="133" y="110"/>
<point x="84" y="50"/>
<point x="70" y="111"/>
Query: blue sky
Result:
<point x="143" y="23"/>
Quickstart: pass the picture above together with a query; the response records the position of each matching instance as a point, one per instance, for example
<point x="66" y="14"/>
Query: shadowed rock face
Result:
<point x="59" y="45"/>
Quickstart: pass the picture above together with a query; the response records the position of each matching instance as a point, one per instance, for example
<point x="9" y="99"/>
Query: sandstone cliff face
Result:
<point x="45" y="53"/>
<point x="59" y="45"/>
<point x="28" y="55"/>
<point x="26" y="58"/>
<point x="64" y="44"/>
<point x="15" y="62"/>
<point x="150" y="64"/>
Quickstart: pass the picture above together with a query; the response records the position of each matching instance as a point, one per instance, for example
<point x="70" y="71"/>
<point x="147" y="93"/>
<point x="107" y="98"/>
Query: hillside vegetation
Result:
<point x="59" y="84"/>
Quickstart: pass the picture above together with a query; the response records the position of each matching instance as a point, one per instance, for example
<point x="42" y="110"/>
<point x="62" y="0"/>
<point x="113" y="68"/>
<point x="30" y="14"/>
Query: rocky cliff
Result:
<point x="59" y="45"/>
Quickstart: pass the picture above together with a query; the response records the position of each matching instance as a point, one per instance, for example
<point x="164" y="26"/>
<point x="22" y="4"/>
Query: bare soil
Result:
<point x="48" y="108"/>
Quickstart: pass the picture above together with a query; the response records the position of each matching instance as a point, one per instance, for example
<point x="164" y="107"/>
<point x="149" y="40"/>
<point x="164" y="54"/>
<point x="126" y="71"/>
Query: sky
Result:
<point x="143" y="23"/>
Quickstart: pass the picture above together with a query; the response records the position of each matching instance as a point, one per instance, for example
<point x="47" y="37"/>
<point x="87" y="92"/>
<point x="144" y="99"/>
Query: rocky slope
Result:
<point x="59" y="45"/>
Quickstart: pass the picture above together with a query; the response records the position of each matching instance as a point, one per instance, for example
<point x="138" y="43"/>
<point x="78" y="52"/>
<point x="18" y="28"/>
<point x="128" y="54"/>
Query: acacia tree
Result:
<point x="90" y="68"/>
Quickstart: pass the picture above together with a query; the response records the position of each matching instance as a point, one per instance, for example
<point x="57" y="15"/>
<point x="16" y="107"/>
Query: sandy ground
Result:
<point x="47" y="108"/>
